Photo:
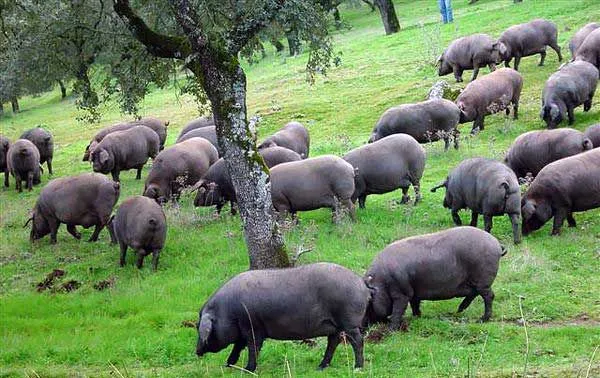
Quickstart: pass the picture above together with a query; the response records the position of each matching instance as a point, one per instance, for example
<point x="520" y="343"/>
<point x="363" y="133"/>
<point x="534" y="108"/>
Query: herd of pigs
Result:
<point x="326" y="299"/>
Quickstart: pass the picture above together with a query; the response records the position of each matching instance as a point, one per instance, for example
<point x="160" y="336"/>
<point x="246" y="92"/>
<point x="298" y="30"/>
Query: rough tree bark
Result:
<point x="293" y="41"/>
<point x="15" y="105"/>
<point x="216" y="66"/>
<point x="63" y="89"/>
<point x="388" y="16"/>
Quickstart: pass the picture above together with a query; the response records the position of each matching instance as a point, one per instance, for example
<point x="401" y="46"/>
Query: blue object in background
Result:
<point x="446" y="10"/>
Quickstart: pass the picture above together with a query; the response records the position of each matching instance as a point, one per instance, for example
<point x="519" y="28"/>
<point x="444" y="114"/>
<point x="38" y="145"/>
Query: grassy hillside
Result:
<point x="134" y="328"/>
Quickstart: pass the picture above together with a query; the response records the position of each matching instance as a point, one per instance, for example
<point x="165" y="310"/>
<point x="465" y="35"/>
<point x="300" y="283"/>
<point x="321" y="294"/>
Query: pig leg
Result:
<point x="457" y="73"/>
<point x="517" y="61"/>
<point x="417" y="188"/>
<point x="478" y="124"/>
<point x="332" y="342"/>
<point x="73" y="231"/>
<point x="446" y="143"/>
<point x="515" y="104"/>
<point x="571" y="115"/>
<point x="219" y="207"/>
<point x="542" y="57"/>
<point x="97" y="230"/>
<point x="123" y="248"/>
<point x="492" y="67"/>
<point x="415" y="305"/>
<point x="456" y="217"/>
<point x="556" y="48"/>
<point x="487" y="222"/>
<point x="141" y="253"/>
<point x="475" y="71"/>
<point x="587" y="105"/>
<point x="49" y="163"/>
<point x="466" y="302"/>
<point x="405" y="196"/>
<point x="399" y="304"/>
<point x="571" y="220"/>
<point x="361" y="201"/>
<point x="111" y="230"/>
<point x="29" y="181"/>
<point x="155" y="256"/>
<point x="6" y="178"/>
<point x="53" y="224"/>
<point x="456" y="134"/>
<point x="559" y="219"/>
<point x="488" y="297"/>
<point x="138" y="175"/>
<point x="474" y="216"/>
<point x="255" y="342"/>
<point x="18" y="183"/>
<point x="356" y="340"/>
<point x="115" y="175"/>
<point x="514" y="220"/>
<point x="234" y="356"/>
<point x="507" y="62"/>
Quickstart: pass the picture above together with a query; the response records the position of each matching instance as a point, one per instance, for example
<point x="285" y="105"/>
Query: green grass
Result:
<point x="134" y="328"/>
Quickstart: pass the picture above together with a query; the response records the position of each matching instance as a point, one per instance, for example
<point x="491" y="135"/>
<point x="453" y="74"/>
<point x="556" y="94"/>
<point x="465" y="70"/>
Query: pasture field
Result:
<point x="546" y="318"/>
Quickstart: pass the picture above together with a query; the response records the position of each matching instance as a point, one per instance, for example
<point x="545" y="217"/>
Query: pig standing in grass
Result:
<point x="396" y="161"/>
<point x="4" y="146"/>
<point x="488" y="95"/>
<point x="425" y="121"/>
<point x="561" y="188"/>
<point x="459" y="262"/>
<point x="309" y="301"/>
<point x="44" y="143"/>
<point x="571" y="86"/>
<point x="471" y="53"/>
<point x="23" y="162"/>
<point x="486" y="187"/>
<point x="177" y="167"/>
<point x="589" y="50"/>
<point x="197" y="124"/>
<point x="529" y="39"/>
<point x="532" y="151"/>
<point x="580" y="36"/>
<point x="86" y="200"/>
<point x="293" y="136"/>
<point x="593" y="134"/>
<point x="310" y="184"/>
<point x="140" y="223"/>
<point x="216" y="189"/>
<point x="208" y="132"/>
<point x="124" y="150"/>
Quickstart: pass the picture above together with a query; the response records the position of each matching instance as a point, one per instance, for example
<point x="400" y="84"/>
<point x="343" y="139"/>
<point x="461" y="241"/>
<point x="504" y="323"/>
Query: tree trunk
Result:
<point x="89" y="98"/>
<point x="388" y="16"/>
<point x="293" y="42"/>
<point x="225" y="84"/>
<point x="337" y="18"/>
<point x="63" y="89"/>
<point x="15" y="105"/>
<point x="278" y="45"/>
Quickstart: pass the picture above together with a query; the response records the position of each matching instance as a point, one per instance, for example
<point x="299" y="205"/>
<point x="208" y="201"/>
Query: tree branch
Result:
<point x="188" y="20"/>
<point x="245" y="28"/>
<point x="159" y="45"/>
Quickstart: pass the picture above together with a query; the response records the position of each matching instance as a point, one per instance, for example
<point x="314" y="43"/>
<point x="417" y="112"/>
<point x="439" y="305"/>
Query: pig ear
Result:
<point x="103" y="156"/>
<point x="554" y="112"/>
<point x="528" y="209"/>
<point x="205" y="327"/>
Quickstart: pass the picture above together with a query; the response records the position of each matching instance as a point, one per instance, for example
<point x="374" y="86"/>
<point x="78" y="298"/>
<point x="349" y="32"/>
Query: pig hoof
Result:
<point x="322" y="366"/>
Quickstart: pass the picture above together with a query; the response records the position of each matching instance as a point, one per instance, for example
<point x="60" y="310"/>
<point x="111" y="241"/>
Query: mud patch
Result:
<point x="69" y="286"/>
<point x="189" y="324"/>
<point x="579" y="320"/>
<point x="49" y="281"/>
<point x="378" y="334"/>
<point x="105" y="284"/>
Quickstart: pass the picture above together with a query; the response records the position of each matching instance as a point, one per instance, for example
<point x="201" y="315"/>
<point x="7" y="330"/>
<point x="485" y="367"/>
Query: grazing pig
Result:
<point x="425" y="121"/>
<point x="140" y="223"/>
<point x="396" y="161"/>
<point x="215" y="187"/>
<point x="208" y="132"/>
<point x="488" y="95"/>
<point x="23" y="162"/>
<point x="486" y="187"/>
<point x="459" y="262"/>
<point x="197" y="124"/>
<point x="561" y="188"/>
<point x="159" y="127"/>
<point x="4" y="147"/>
<point x="124" y="150"/>
<point x="293" y="136"/>
<point x="589" y="50"/>
<point x="309" y="301"/>
<point x="44" y="142"/>
<point x="177" y="167"/>
<point x="529" y="39"/>
<point x="593" y="134"/>
<point x="574" y="84"/>
<point x="470" y="53"/>
<point x="86" y="200"/>
<point x="580" y="36"/>
<point x="310" y="184"/>
<point x="532" y="151"/>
